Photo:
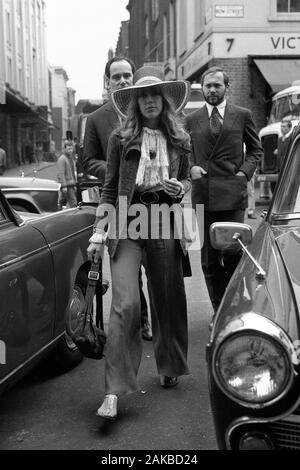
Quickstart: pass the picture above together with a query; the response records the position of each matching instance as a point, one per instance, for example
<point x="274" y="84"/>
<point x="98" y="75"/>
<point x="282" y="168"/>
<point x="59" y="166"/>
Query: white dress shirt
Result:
<point x="220" y="108"/>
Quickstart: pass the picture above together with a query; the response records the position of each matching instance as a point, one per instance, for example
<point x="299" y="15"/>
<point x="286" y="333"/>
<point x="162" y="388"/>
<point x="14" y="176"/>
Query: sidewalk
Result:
<point x="29" y="169"/>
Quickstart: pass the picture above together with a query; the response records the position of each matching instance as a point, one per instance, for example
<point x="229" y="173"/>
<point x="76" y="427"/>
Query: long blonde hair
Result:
<point x="170" y="124"/>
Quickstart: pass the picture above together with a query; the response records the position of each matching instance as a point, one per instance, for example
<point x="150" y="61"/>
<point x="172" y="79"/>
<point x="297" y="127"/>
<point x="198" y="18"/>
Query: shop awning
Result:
<point x="279" y="73"/>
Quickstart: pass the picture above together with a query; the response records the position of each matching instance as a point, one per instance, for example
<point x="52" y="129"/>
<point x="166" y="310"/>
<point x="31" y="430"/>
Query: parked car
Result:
<point x="285" y="104"/>
<point x="196" y="99"/>
<point x="43" y="278"/>
<point x="253" y="354"/>
<point x="31" y="194"/>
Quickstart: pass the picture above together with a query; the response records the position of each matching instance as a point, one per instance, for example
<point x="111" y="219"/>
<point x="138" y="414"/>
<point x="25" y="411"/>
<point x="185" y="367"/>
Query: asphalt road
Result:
<point x="47" y="411"/>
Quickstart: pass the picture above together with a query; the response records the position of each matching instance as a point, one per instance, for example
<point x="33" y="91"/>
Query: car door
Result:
<point x="27" y="295"/>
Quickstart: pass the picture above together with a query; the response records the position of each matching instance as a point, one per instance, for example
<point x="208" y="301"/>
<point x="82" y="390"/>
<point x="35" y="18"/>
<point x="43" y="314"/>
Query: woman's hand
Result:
<point x="95" y="248"/>
<point x="172" y="187"/>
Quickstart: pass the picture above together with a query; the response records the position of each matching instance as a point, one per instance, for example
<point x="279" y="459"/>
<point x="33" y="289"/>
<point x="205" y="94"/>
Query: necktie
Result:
<point x="215" y="123"/>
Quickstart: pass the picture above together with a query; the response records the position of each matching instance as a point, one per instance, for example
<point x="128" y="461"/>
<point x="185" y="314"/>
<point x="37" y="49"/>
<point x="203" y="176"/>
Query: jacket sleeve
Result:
<point x="109" y="193"/>
<point x="93" y="159"/>
<point x="61" y="175"/>
<point x="188" y="128"/>
<point x="254" y="149"/>
<point x="184" y="172"/>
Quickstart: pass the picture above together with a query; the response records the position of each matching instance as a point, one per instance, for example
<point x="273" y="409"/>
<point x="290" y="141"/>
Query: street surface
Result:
<point x="46" y="411"/>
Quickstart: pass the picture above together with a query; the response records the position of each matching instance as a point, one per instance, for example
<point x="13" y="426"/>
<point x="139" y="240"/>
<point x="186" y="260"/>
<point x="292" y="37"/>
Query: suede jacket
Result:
<point x="122" y="167"/>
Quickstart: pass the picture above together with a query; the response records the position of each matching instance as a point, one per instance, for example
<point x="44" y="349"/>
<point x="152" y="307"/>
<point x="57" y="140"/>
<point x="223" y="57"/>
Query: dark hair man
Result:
<point x="100" y="124"/>
<point x="220" y="170"/>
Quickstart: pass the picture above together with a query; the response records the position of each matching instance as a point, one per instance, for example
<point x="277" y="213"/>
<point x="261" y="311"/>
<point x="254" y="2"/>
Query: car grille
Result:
<point x="286" y="432"/>
<point x="269" y="161"/>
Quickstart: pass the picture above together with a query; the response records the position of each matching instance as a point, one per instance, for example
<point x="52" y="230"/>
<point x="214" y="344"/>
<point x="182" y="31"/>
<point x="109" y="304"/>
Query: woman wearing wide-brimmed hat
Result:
<point x="147" y="165"/>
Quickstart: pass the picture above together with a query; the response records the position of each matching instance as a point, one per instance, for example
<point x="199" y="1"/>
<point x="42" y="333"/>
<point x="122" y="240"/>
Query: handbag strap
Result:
<point x="94" y="277"/>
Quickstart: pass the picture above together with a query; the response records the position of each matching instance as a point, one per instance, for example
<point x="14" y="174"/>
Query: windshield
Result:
<point x="287" y="199"/>
<point x="285" y="106"/>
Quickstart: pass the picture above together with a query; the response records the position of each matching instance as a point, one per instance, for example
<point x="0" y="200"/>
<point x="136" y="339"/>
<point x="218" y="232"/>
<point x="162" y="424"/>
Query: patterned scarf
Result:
<point x="154" y="162"/>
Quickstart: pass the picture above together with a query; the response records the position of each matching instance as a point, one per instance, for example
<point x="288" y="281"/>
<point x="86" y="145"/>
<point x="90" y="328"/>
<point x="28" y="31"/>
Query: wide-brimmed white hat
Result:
<point x="148" y="76"/>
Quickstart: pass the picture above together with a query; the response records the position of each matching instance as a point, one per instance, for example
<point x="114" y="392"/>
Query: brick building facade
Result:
<point x="255" y="41"/>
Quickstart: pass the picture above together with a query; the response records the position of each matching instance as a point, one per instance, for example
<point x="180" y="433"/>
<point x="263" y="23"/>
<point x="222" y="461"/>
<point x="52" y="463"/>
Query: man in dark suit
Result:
<point x="100" y="124"/>
<point x="220" y="170"/>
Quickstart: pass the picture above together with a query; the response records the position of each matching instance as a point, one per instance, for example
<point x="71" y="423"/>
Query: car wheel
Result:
<point x="67" y="355"/>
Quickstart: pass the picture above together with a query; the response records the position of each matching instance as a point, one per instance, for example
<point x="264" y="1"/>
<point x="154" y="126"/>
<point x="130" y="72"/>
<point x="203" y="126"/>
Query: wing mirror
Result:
<point x="223" y="235"/>
<point x="227" y="236"/>
<point x="90" y="191"/>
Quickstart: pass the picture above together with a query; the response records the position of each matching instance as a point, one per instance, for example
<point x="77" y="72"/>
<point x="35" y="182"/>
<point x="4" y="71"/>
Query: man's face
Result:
<point x="285" y="129"/>
<point x="120" y="75"/>
<point x="69" y="149"/>
<point x="214" y="89"/>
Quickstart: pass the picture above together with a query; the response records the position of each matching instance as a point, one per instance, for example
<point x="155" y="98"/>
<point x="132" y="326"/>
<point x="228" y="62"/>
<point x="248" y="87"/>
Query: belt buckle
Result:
<point x="149" y="197"/>
<point x="94" y="275"/>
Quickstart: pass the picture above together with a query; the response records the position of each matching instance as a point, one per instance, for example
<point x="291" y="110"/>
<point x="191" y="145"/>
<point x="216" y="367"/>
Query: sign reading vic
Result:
<point x="2" y="353"/>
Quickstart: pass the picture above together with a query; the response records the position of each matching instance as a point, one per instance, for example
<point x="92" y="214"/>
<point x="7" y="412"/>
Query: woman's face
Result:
<point x="150" y="103"/>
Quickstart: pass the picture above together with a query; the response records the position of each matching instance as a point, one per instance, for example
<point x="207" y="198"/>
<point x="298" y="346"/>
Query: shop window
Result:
<point x="288" y="6"/>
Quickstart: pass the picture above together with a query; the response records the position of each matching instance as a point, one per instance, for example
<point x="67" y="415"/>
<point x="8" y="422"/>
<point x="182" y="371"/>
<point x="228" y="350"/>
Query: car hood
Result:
<point x="28" y="182"/>
<point x="278" y="295"/>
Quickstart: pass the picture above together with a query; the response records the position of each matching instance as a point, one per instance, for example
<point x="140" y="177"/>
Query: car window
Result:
<point x="3" y="218"/>
<point x="287" y="199"/>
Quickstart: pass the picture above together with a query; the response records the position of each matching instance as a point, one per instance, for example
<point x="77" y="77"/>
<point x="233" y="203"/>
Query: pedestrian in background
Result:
<point x="99" y="126"/>
<point x="3" y="160"/>
<point x="67" y="176"/>
<point x="148" y="164"/>
<point x="220" y="170"/>
<point x="286" y="128"/>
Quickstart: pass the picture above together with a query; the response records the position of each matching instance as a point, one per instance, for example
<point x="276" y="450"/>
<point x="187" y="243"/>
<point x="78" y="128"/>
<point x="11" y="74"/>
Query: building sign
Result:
<point x="232" y="45"/>
<point x="229" y="11"/>
<point x="2" y="92"/>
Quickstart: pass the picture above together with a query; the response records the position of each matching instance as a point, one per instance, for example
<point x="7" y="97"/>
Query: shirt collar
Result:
<point x="220" y="107"/>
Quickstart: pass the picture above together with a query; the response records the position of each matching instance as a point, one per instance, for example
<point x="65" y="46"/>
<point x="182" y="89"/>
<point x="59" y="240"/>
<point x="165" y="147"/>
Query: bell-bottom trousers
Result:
<point x="168" y="313"/>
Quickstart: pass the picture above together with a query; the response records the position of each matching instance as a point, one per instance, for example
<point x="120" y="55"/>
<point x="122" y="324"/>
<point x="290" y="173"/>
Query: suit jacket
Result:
<point x="123" y="163"/>
<point x="223" y="157"/>
<point x="99" y="126"/>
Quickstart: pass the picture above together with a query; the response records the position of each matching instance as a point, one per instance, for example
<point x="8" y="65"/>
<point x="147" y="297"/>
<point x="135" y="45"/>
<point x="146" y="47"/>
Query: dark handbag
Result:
<point x="89" y="337"/>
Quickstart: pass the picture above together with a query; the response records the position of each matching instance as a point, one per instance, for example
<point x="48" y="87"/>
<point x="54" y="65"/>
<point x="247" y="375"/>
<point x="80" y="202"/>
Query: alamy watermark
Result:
<point x="154" y="221"/>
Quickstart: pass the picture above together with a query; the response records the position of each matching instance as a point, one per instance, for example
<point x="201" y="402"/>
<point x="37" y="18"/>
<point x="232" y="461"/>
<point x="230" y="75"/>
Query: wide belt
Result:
<point x="151" y="197"/>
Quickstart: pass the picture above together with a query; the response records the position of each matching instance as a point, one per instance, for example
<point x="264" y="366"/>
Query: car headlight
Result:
<point x="252" y="369"/>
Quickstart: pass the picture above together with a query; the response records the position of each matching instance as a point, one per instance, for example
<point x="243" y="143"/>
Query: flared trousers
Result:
<point x="168" y="313"/>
